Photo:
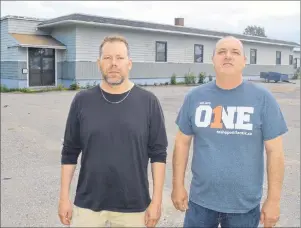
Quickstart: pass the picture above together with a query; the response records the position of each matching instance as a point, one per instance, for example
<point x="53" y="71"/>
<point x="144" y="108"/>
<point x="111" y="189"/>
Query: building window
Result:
<point x="198" y="53"/>
<point x="291" y="60"/>
<point x="161" y="51"/>
<point x="295" y="63"/>
<point x="278" y="57"/>
<point x="253" y="56"/>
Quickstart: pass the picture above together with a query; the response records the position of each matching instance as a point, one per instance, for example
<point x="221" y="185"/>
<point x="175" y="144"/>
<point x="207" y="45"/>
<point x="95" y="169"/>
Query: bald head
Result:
<point x="235" y="42"/>
<point x="228" y="57"/>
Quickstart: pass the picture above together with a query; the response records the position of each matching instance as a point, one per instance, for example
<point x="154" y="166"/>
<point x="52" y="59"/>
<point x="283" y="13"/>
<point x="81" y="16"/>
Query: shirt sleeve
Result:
<point x="71" y="145"/>
<point x="273" y="124"/>
<point x="183" y="119"/>
<point x="157" y="144"/>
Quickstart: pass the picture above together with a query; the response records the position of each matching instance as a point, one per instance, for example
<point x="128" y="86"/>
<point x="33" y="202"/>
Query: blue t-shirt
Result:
<point x="229" y="129"/>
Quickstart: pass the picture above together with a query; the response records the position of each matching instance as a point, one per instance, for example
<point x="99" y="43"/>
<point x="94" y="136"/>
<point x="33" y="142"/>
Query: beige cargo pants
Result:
<point x="82" y="217"/>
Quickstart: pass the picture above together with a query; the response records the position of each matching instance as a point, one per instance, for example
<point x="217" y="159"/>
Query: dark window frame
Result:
<point x="252" y="61"/>
<point x="197" y="56"/>
<point x="278" y="60"/>
<point x="291" y="60"/>
<point x="165" y="53"/>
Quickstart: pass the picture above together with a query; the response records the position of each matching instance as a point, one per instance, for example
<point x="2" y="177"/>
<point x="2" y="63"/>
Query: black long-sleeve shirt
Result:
<point x="116" y="142"/>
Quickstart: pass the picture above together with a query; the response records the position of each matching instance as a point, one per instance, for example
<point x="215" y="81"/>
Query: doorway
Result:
<point x="41" y="67"/>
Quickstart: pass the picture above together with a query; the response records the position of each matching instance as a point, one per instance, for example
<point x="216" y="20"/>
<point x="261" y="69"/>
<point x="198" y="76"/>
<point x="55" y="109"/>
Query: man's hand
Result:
<point x="65" y="211"/>
<point x="65" y="205"/>
<point x="179" y="198"/>
<point x="179" y="194"/>
<point x="152" y="214"/>
<point x="270" y="213"/>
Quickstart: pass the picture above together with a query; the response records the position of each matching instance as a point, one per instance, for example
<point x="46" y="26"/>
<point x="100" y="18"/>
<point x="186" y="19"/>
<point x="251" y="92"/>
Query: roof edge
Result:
<point x="172" y="25"/>
<point x="23" y="18"/>
<point x="163" y="31"/>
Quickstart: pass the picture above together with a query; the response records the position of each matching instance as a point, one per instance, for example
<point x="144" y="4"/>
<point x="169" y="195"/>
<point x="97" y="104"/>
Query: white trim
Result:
<point x="42" y="46"/>
<point x="55" y="66"/>
<point x="153" y="30"/>
<point x="27" y="65"/>
<point x="38" y="46"/>
<point x="14" y="60"/>
<point x="171" y="62"/>
<point x="12" y="46"/>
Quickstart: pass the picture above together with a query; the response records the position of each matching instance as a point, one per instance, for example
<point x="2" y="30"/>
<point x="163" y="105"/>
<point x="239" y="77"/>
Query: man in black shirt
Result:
<point x="117" y="127"/>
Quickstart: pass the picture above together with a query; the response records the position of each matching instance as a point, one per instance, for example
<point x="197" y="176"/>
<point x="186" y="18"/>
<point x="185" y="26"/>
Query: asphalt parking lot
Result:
<point x="32" y="127"/>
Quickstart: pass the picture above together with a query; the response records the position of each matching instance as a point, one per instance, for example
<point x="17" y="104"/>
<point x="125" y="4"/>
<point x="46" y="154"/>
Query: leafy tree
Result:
<point x="254" y="30"/>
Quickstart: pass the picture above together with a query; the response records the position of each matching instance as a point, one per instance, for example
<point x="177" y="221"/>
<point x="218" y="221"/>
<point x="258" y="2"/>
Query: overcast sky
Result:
<point x="281" y="19"/>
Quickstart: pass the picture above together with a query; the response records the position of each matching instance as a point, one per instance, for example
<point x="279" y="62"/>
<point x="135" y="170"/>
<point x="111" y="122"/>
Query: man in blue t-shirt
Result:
<point x="231" y="122"/>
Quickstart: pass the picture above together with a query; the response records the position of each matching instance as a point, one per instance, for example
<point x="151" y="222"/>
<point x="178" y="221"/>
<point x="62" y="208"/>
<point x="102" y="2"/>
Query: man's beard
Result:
<point x="116" y="83"/>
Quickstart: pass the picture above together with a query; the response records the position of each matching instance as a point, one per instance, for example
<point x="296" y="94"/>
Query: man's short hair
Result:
<point x="115" y="38"/>
<point x="225" y="37"/>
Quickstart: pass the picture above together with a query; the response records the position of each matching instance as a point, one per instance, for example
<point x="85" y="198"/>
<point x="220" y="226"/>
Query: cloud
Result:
<point x="281" y="19"/>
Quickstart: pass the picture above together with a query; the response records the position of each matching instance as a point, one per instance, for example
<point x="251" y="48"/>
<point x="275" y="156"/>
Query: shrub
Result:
<point x="4" y="89"/>
<point x="189" y="78"/>
<point x="60" y="87"/>
<point x="25" y="90"/>
<point x="173" y="79"/>
<point x="297" y="74"/>
<point x="201" y="78"/>
<point x="74" y="86"/>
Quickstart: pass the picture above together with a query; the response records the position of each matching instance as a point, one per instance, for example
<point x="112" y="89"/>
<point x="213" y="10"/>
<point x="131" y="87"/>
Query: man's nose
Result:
<point x="114" y="61"/>
<point x="228" y="55"/>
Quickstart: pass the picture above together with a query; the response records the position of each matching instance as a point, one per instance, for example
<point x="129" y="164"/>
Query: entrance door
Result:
<point x="41" y="67"/>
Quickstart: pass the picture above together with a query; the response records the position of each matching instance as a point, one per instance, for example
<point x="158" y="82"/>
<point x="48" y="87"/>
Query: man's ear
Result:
<point x="212" y="59"/>
<point x="98" y="63"/>
<point x="130" y="64"/>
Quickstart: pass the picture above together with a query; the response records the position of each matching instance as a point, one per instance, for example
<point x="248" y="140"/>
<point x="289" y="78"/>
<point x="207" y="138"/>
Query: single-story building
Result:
<point x="48" y="52"/>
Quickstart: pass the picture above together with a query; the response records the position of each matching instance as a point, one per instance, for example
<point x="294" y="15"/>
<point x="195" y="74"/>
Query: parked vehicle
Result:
<point x="274" y="76"/>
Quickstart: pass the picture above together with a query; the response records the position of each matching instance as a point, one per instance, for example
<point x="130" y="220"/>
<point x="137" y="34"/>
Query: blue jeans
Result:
<point x="197" y="216"/>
